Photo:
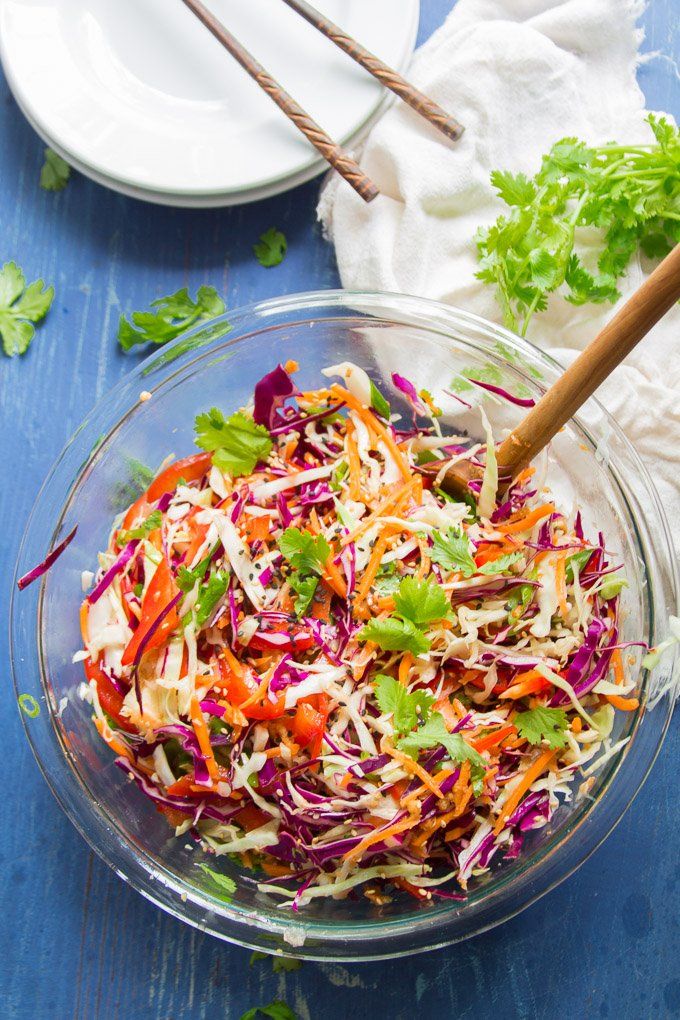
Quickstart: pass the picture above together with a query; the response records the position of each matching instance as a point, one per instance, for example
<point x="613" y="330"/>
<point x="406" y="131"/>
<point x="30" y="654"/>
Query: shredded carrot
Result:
<point x="372" y="568"/>
<point x="375" y="426"/>
<point x="623" y="704"/>
<point x="532" y="682"/>
<point x="413" y="767"/>
<point x="380" y="835"/>
<point x="617" y="666"/>
<point x="234" y="665"/>
<point x="424" y="567"/>
<point x="530" y="776"/>
<point x="354" y="464"/>
<point x="203" y="737"/>
<point x="527" y="520"/>
<point x="407" y="661"/>
<point x="576" y="724"/>
<point x="493" y="739"/>
<point x="116" y="745"/>
<point x="390" y="501"/>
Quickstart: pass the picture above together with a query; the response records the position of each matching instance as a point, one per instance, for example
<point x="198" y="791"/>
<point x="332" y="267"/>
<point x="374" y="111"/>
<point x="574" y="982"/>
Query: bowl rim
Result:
<point x="143" y="871"/>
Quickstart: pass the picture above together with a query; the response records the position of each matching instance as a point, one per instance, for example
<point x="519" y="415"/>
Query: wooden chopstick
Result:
<point x="323" y="143"/>
<point x="390" y="78"/>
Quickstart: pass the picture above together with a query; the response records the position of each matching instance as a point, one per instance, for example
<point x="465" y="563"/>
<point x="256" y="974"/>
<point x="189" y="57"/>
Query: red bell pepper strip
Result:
<point x="189" y="468"/>
<point x="110" y="699"/>
<point x="162" y="590"/>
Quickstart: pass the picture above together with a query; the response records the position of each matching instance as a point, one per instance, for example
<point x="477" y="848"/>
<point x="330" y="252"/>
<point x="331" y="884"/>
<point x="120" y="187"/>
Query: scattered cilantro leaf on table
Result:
<point x="629" y="193"/>
<point x="55" y="172"/>
<point x="171" y="316"/>
<point x="270" y="250"/>
<point x="277" y="1010"/>
<point x="21" y="307"/>
<point x="237" y="443"/>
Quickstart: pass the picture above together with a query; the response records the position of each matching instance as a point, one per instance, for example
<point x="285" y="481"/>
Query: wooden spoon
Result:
<point x="631" y="323"/>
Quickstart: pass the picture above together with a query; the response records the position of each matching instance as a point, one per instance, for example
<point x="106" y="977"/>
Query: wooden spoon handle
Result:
<point x="617" y="339"/>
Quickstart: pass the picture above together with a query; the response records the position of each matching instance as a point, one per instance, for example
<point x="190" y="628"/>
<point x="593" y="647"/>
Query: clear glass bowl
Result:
<point x="591" y="462"/>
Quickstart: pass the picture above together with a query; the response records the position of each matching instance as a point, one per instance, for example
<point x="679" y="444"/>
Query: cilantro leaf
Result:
<point x="285" y="965"/>
<point x="514" y="189"/>
<point x="500" y="565"/>
<point x="452" y="551"/>
<point x="421" y="602"/>
<point x="578" y="560"/>
<point x="304" y="551"/>
<point x="226" y="885"/>
<point x="378" y="402"/>
<point x="271" y="248"/>
<point x="20" y="307"/>
<point x="173" y="314"/>
<point x="394" y="635"/>
<point x="186" y="579"/>
<point x="407" y="709"/>
<point x="237" y="443"/>
<point x="538" y="724"/>
<point x="209" y="595"/>
<point x="386" y="583"/>
<point x="305" y="588"/>
<point x="434" y="733"/>
<point x="277" y="1010"/>
<point x="143" y="530"/>
<point x="55" y="172"/>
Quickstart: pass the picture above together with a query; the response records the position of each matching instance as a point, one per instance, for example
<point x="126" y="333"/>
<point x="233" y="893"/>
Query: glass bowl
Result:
<point x="436" y="346"/>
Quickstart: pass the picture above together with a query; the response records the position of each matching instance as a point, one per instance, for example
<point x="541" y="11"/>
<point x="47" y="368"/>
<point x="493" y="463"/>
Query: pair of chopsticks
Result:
<point x="330" y="150"/>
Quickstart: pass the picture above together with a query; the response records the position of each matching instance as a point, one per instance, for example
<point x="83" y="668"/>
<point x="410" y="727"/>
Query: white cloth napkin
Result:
<point x="520" y="74"/>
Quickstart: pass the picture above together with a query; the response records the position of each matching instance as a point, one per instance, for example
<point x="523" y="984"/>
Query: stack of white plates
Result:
<point x="139" y="96"/>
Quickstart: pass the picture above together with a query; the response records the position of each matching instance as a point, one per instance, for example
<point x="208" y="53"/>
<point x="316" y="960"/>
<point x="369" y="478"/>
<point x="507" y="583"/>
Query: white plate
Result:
<point x="138" y="95"/>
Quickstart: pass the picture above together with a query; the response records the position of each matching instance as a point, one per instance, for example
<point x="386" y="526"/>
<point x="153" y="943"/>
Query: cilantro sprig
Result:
<point x="21" y="307"/>
<point x="307" y="555"/>
<point x="237" y="443"/>
<point x="171" y="316"/>
<point x="418" y="604"/>
<point x="406" y="708"/>
<point x="452" y="551"/>
<point x="629" y="193"/>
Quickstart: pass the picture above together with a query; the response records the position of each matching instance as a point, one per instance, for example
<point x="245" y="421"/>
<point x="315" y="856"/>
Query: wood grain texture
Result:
<point x="75" y="941"/>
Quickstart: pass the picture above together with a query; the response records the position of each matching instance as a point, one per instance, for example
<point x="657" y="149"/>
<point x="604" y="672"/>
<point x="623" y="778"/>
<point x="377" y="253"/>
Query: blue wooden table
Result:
<point x="77" y="942"/>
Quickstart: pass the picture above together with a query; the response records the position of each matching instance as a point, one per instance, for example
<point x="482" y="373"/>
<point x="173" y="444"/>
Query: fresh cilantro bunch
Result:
<point x="418" y="604"/>
<point x="630" y="193"/>
<point x="307" y="555"/>
<point x="21" y="307"/>
<point x="172" y="315"/>
<point x="237" y="443"/>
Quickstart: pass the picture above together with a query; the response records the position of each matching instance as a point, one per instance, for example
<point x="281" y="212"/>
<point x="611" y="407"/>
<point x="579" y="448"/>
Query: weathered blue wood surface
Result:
<point x="77" y="942"/>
